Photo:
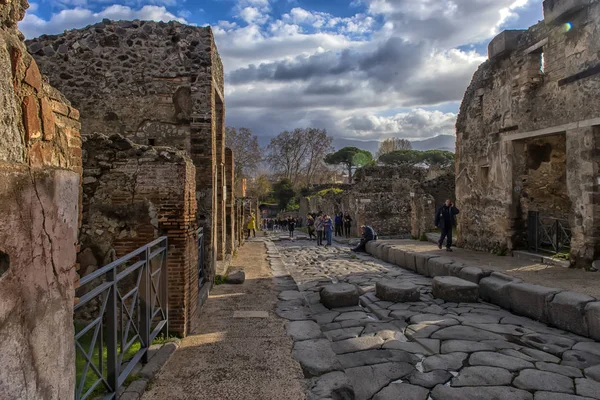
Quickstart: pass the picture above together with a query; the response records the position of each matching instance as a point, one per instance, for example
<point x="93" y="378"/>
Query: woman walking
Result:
<point x="328" y="228"/>
<point x="251" y="225"/>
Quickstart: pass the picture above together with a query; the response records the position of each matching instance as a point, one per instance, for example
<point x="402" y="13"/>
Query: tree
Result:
<point x="284" y="192"/>
<point x="297" y="155"/>
<point x="393" y="144"/>
<point x="260" y="187"/>
<point x="351" y="158"/>
<point x="247" y="154"/>
<point x="439" y="158"/>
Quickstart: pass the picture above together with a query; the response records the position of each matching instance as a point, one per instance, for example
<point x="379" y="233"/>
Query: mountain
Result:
<point x="440" y="142"/>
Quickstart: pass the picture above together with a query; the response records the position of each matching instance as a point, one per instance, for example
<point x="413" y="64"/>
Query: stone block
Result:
<point x="439" y="266"/>
<point x="370" y="247"/>
<point x="48" y="119"/>
<point x="455" y="290"/>
<point x="504" y="43"/>
<point x="410" y="261"/>
<point x="494" y="289"/>
<point x="33" y="77"/>
<point x="530" y="300"/>
<point x="339" y="295"/>
<point x="386" y="254"/>
<point x="399" y="257"/>
<point x="567" y="311"/>
<point x="31" y="120"/>
<point x="236" y="278"/>
<point x="396" y="291"/>
<point x="592" y="319"/>
<point x="421" y="263"/>
<point x="472" y="274"/>
<point x="555" y="9"/>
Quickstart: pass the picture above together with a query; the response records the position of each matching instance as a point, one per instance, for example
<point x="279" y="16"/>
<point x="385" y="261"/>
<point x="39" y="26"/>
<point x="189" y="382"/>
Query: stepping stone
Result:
<point x="442" y="392"/>
<point x="339" y="295"/>
<point x="236" y="278"/>
<point x="402" y="391"/>
<point x="455" y="289"/>
<point x="483" y="376"/>
<point x="396" y="291"/>
<point x="532" y="379"/>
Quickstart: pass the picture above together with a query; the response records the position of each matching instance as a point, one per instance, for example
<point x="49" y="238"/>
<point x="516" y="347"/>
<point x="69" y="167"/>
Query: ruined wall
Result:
<point x="539" y="82"/>
<point x="381" y="197"/>
<point x="155" y="83"/>
<point x="132" y="195"/>
<point x="230" y="201"/>
<point x="40" y="166"/>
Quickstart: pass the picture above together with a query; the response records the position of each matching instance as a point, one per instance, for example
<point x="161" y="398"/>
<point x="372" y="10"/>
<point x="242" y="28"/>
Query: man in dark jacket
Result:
<point x="368" y="234"/>
<point x="445" y="220"/>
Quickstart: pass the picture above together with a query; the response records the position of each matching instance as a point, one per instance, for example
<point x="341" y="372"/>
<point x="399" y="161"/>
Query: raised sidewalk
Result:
<point x="562" y="297"/>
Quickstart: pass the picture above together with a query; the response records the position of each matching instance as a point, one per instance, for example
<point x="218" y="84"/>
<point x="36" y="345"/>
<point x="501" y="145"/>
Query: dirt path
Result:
<point x="235" y="358"/>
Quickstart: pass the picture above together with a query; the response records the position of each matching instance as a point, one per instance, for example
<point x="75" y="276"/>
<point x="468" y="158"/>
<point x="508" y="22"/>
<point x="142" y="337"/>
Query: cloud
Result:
<point x="33" y="26"/>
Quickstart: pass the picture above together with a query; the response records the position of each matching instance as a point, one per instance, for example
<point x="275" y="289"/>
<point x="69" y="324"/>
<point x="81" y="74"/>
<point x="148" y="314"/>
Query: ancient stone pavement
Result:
<point x="425" y="349"/>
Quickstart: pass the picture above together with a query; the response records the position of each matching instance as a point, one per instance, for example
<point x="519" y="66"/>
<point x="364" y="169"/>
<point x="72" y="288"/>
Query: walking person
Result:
<point x="347" y="224"/>
<point x="328" y="228"/>
<point x="251" y="226"/>
<point x="320" y="229"/>
<point x="291" y="226"/>
<point x="339" y="223"/>
<point x="445" y="219"/>
<point x="310" y="224"/>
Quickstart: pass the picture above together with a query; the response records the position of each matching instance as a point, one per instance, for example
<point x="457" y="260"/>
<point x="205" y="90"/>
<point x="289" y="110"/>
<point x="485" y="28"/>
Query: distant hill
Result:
<point x="441" y="142"/>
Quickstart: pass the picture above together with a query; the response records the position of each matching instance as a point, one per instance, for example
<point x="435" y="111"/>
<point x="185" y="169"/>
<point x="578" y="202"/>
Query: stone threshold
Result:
<point x="567" y="310"/>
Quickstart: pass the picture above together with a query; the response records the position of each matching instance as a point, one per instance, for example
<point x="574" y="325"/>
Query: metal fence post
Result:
<point x="112" y="358"/>
<point x="164" y="289"/>
<point x="145" y="298"/>
<point x="557" y="240"/>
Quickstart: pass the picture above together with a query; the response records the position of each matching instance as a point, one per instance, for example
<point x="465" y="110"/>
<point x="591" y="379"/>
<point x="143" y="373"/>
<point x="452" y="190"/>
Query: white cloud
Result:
<point x="252" y="15"/>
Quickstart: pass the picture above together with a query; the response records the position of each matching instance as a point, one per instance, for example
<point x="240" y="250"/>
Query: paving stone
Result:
<point x="399" y="306"/>
<point x="482" y="376"/>
<point x="327" y="317"/>
<point x="565" y="370"/>
<point x="299" y="314"/>
<point x="557" y="396"/>
<point x="410" y="347"/>
<point x="532" y="379"/>
<point x="442" y="392"/>
<point x="357" y="344"/>
<point x="478" y="319"/>
<point x="455" y="289"/>
<point x="439" y="266"/>
<point x="593" y="372"/>
<point x="435" y="309"/>
<point x="433" y="319"/>
<point x="567" y="311"/>
<point x="343" y="334"/>
<point x="369" y="380"/>
<point x="421" y="330"/>
<point x="303" y="330"/>
<point x="549" y="343"/>
<point x="396" y="291"/>
<point x="518" y="354"/>
<point x="465" y="333"/>
<point x="446" y="362"/>
<point x="503" y="329"/>
<point x="588" y="347"/>
<point x="334" y="385"/>
<point x="540" y="355"/>
<point x="384" y="330"/>
<point x="315" y="357"/>
<point x="402" y="391"/>
<point x="355" y="315"/>
<point x="592" y="319"/>
<point x="467" y="346"/>
<point x="587" y="387"/>
<point x="580" y="359"/>
<point x="347" y="309"/>
<point x="402" y="314"/>
<point x="501" y="344"/>
<point x="339" y="295"/>
<point x="433" y="345"/>
<point x="290" y="295"/>
<point x="377" y="356"/>
<point x="429" y="379"/>
<point x="492" y="359"/>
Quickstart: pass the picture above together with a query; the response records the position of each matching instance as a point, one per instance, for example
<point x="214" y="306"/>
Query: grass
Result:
<point x="91" y="376"/>
<point x="220" y="279"/>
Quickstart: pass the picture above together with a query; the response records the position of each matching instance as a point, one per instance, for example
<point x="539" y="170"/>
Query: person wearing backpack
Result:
<point x="320" y="229"/>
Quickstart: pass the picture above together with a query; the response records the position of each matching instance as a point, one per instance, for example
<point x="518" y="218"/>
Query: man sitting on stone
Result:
<point x="445" y="219"/>
<point x="368" y="234"/>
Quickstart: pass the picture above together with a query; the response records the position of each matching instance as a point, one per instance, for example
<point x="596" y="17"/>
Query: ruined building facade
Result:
<point x="40" y="168"/>
<point x="528" y="136"/>
<point x="158" y="85"/>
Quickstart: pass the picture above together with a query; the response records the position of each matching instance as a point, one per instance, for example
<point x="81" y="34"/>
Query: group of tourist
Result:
<point x="281" y="224"/>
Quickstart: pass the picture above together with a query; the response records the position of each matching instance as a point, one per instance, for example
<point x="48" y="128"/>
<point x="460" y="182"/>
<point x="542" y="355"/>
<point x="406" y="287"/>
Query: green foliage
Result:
<point x="439" y="158"/>
<point x="284" y="192"/>
<point x="325" y="192"/>
<point x="562" y="256"/>
<point x="220" y="279"/>
<point x="423" y="237"/>
<point x="350" y="157"/>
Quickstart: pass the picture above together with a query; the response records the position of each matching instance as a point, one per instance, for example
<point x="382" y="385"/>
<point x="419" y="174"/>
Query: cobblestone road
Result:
<point x="429" y="349"/>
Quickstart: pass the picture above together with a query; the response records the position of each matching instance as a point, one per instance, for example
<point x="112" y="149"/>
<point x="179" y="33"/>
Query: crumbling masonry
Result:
<point x="528" y="135"/>
<point x="40" y="168"/>
<point x="156" y="84"/>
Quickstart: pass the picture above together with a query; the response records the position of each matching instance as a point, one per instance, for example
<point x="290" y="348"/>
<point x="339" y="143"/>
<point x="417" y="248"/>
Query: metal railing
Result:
<point x="129" y="309"/>
<point x="201" y="271"/>
<point x="546" y="234"/>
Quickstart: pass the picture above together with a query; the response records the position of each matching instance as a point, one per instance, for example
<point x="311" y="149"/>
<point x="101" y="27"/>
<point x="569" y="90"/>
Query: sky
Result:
<point x="362" y="69"/>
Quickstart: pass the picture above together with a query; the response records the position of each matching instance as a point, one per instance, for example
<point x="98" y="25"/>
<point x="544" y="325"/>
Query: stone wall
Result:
<point x="388" y="198"/>
<point x="133" y="194"/>
<point x="158" y="84"/>
<point x="528" y="134"/>
<point x="40" y="167"/>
